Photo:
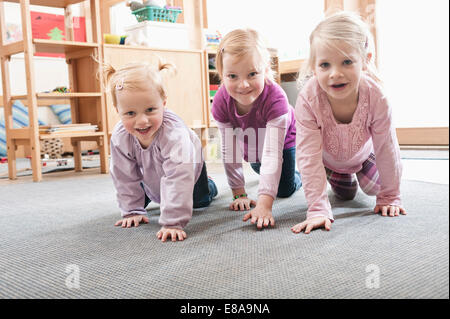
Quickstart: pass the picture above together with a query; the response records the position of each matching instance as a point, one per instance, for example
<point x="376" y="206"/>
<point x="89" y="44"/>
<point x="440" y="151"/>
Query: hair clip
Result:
<point x="119" y="86"/>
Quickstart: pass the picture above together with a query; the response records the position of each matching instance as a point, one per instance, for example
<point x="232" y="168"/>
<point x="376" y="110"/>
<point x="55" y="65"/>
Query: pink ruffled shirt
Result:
<point x="322" y="141"/>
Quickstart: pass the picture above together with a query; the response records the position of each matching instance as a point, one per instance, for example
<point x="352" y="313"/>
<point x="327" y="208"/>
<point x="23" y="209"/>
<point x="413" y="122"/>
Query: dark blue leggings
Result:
<point x="204" y="190"/>
<point x="290" y="180"/>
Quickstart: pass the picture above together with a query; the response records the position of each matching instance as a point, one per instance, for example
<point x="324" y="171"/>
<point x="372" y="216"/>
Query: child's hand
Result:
<point x="173" y="233"/>
<point x="128" y="221"/>
<point x="312" y="223"/>
<point x="392" y="209"/>
<point x="260" y="215"/>
<point x="242" y="203"/>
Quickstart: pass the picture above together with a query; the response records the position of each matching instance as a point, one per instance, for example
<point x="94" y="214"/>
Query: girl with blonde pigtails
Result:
<point x="154" y="155"/>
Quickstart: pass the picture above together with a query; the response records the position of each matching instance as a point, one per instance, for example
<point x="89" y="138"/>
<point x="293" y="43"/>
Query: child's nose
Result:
<point x="244" y="84"/>
<point x="335" y="73"/>
<point x="142" y="119"/>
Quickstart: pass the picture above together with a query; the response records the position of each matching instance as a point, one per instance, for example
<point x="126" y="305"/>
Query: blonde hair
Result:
<point x="241" y="42"/>
<point x="136" y="76"/>
<point x="345" y="27"/>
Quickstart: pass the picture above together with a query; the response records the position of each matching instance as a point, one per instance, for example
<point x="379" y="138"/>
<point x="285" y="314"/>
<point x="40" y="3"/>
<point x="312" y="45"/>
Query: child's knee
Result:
<point x="345" y="194"/>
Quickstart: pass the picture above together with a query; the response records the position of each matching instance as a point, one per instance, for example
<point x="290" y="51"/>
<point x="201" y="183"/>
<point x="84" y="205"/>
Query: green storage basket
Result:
<point x="157" y="14"/>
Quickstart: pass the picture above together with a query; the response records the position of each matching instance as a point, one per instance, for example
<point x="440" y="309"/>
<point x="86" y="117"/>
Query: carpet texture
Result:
<point x="58" y="241"/>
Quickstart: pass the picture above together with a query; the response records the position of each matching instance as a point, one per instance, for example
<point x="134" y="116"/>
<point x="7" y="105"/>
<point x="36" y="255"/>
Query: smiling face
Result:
<point x="141" y="112"/>
<point x="338" y="68"/>
<point x="243" y="78"/>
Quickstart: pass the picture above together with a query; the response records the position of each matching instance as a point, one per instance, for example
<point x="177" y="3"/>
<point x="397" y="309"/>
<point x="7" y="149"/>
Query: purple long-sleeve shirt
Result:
<point x="261" y="135"/>
<point x="343" y="148"/>
<point x="168" y="170"/>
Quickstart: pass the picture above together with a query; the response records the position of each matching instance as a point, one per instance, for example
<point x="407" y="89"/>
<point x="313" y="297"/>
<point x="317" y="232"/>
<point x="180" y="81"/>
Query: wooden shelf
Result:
<point x="52" y="46"/>
<point x="87" y="104"/>
<point x="50" y="3"/>
<point x="44" y="136"/>
<point x="58" y="95"/>
<point x="291" y="66"/>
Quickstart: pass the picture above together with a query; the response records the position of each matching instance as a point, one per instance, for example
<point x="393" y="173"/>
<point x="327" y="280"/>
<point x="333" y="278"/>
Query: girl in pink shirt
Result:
<point x="256" y="123"/>
<point x="344" y="124"/>
<point x="154" y="155"/>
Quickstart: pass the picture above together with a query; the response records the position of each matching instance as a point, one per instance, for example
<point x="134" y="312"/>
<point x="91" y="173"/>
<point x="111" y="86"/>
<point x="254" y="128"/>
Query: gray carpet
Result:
<point x="55" y="230"/>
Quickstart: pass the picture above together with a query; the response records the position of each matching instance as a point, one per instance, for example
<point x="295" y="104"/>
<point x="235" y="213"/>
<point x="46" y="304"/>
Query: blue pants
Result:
<point x="290" y="180"/>
<point x="204" y="190"/>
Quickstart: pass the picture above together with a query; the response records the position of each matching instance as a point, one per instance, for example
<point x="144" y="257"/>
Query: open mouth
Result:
<point x="143" y="131"/>
<point x="339" y="86"/>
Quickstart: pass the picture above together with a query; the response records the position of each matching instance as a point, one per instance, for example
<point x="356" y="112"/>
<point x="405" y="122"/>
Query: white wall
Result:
<point x="413" y="60"/>
<point x="285" y="24"/>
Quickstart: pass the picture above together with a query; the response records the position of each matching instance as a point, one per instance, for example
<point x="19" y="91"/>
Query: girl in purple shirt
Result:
<point x="256" y="123"/>
<point x="154" y="155"/>
<point x="344" y="124"/>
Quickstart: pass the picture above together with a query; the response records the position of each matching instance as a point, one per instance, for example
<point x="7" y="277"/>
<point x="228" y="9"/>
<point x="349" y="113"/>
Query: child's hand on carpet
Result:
<point x="128" y="221"/>
<point x="392" y="209"/>
<point x="261" y="215"/>
<point x="242" y="203"/>
<point x="173" y="233"/>
<point x="312" y="223"/>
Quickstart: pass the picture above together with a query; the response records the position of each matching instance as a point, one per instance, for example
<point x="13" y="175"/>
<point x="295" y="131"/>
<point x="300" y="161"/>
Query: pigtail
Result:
<point x="166" y="67"/>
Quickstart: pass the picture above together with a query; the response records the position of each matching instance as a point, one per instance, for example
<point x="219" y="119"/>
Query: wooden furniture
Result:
<point x="86" y="97"/>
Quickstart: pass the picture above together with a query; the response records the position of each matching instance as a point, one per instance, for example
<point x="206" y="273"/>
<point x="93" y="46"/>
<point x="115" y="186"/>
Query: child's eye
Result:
<point x="150" y="109"/>
<point x="232" y="76"/>
<point x="324" y="65"/>
<point x="348" y="62"/>
<point x="129" y="113"/>
<point x="253" y="74"/>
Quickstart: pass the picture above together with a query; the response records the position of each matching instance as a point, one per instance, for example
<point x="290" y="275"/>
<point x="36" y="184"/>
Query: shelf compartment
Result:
<point x="50" y="3"/>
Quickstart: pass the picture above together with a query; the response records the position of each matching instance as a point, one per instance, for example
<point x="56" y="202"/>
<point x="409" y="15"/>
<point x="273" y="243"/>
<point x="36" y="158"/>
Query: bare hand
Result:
<point x="173" y="233"/>
<point x="242" y="203"/>
<point x="128" y="221"/>
<point x="392" y="209"/>
<point x="260" y="216"/>
<point x="312" y="223"/>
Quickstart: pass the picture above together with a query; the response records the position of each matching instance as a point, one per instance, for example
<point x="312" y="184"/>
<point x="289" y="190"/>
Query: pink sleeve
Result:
<point x="179" y="155"/>
<point x="309" y="160"/>
<point x="126" y="177"/>
<point x="272" y="157"/>
<point x="387" y="154"/>
<point x="231" y="156"/>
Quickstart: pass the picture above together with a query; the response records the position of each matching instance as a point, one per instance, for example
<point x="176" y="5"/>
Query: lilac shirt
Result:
<point x="168" y="169"/>
<point x="343" y="148"/>
<point x="262" y="133"/>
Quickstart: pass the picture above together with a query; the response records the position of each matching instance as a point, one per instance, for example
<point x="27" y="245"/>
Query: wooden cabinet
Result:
<point x="86" y="95"/>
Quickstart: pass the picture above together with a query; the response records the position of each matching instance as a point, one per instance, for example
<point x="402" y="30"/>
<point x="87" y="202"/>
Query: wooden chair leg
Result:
<point x="36" y="163"/>
<point x="103" y="149"/>
<point x="11" y="153"/>
<point x="77" y="156"/>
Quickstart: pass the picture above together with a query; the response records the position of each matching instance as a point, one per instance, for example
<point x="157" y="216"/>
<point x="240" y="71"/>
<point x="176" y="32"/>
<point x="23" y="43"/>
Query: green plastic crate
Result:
<point x="157" y="14"/>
